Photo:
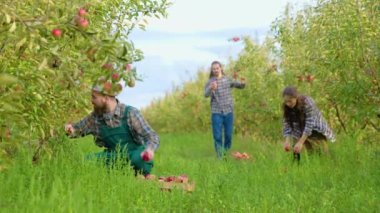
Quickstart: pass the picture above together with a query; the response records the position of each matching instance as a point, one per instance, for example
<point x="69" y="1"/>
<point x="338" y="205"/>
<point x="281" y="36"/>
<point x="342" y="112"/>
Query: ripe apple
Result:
<point x="115" y="77"/>
<point x="146" y="156"/>
<point x="107" y="86"/>
<point x="82" y="12"/>
<point x="235" y="39"/>
<point x="182" y="178"/>
<point x="56" y="33"/>
<point x="107" y="66"/>
<point x="244" y="156"/>
<point x="82" y="22"/>
<point x="170" y="179"/>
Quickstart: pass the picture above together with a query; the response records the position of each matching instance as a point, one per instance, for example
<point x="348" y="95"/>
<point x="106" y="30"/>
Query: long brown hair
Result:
<point x="296" y="114"/>
<point x="212" y="64"/>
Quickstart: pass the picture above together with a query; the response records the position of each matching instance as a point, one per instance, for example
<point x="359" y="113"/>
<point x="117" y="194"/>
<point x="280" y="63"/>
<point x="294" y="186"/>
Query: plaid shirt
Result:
<point x="142" y="133"/>
<point x="221" y="98"/>
<point x="313" y="121"/>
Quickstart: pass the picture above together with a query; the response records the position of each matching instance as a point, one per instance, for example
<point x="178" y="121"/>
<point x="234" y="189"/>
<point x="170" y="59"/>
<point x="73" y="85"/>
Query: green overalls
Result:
<point x="120" y="146"/>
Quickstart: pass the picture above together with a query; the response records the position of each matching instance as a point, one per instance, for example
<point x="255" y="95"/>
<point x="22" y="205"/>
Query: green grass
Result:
<point x="346" y="181"/>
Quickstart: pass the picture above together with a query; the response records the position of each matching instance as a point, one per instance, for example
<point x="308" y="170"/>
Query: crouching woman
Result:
<point x="304" y="125"/>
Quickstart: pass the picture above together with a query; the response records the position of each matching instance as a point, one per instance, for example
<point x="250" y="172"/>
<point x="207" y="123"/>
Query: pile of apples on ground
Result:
<point x="174" y="182"/>
<point x="240" y="156"/>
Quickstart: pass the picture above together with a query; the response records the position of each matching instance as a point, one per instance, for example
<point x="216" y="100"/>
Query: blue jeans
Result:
<point x="219" y="123"/>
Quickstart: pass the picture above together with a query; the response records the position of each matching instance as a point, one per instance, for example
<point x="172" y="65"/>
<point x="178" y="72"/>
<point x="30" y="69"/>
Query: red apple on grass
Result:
<point x="170" y="179"/>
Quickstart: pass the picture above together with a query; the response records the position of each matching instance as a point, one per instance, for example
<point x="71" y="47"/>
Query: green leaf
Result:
<point x="7" y="18"/>
<point x="43" y="64"/>
<point x="13" y="27"/>
<point x="6" y="79"/>
<point x="20" y="43"/>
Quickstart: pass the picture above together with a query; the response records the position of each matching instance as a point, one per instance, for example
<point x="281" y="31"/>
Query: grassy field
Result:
<point x="346" y="181"/>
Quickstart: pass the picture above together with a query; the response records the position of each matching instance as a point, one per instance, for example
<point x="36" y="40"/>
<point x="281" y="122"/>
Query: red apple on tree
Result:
<point x="235" y="39"/>
<point x="56" y="33"/>
<point x="115" y="77"/>
<point x="82" y="22"/>
<point x="107" y="86"/>
<point x="107" y="66"/>
<point x="82" y="12"/>
<point x="128" y="67"/>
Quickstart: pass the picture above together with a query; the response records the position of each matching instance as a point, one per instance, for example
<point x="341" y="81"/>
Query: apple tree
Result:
<point x="52" y="51"/>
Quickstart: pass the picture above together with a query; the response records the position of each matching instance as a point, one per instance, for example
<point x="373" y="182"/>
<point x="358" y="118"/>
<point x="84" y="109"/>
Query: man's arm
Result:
<point x="142" y="129"/>
<point x="82" y="128"/>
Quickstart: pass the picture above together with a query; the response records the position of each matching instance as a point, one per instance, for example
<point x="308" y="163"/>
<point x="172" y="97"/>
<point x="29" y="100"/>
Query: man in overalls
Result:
<point x="120" y="129"/>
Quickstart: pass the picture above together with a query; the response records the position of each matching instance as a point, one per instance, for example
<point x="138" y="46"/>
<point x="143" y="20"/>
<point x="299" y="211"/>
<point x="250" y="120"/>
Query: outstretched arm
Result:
<point x="82" y="128"/>
<point x="238" y="84"/>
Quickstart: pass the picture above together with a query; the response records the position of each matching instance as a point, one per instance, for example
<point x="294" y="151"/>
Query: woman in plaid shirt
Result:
<point x="219" y="89"/>
<point x="304" y="122"/>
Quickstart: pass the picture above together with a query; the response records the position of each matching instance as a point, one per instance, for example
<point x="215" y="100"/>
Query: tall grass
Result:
<point x="345" y="181"/>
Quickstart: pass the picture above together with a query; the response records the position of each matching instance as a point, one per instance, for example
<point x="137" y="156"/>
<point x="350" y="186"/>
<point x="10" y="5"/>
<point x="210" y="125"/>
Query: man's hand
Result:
<point x="69" y="129"/>
<point x="147" y="154"/>
<point x="287" y="146"/>
<point x="214" y="85"/>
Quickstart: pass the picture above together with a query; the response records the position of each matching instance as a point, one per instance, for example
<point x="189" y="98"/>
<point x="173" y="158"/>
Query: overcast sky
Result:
<point x="195" y="33"/>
